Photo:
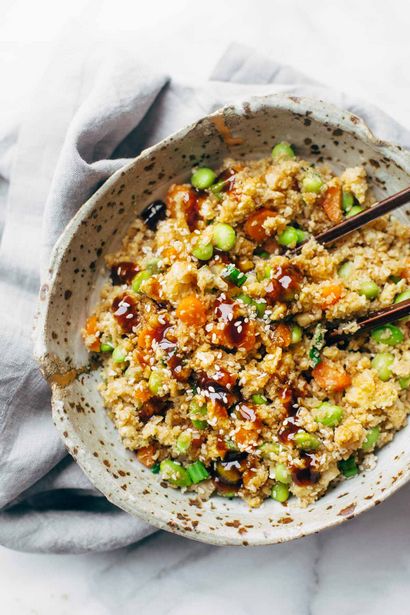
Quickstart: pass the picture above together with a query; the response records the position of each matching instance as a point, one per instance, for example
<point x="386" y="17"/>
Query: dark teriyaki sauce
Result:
<point x="154" y="213"/>
<point x="123" y="273"/>
<point x="125" y="312"/>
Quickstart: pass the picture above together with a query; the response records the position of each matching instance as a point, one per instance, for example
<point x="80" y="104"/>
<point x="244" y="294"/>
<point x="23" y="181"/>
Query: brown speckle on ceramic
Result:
<point x="320" y="132"/>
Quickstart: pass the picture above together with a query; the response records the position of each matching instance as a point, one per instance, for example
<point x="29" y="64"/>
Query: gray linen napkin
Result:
<point x="90" y="113"/>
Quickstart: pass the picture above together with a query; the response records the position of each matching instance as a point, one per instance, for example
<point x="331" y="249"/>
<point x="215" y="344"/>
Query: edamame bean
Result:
<point x="224" y="236"/>
<point x="174" y="473"/>
<point x="403" y="296"/>
<point x="369" y="289"/>
<point x="183" y="441"/>
<point x="119" y="354"/>
<point x="296" y="334"/>
<point x="282" y="474"/>
<point x="345" y="270"/>
<point x="139" y="279"/>
<point x="404" y="382"/>
<point x="312" y="182"/>
<point x="389" y="334"/>
<point x="203" y="178"/>
<point x="356" y="209"/>
<point x="283" y="151"/>
<point x="329" y="414"/>
<point x="155" y="382"/>
<point x="348" y="201"/>
<point x="259" y="399"/>
<point x="288" y="238"/>
<point x="107" y="347"/>
<point x="203" y="252"/>
<point x="280" y="492"/>
<point x="306" y="441"/>
<point x="371" y="439"/>
<point x="269" y="450"/>
<point x="381" y="363"/>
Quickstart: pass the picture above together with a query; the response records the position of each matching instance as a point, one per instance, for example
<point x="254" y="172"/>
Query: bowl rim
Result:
<point x="320" y="111"/>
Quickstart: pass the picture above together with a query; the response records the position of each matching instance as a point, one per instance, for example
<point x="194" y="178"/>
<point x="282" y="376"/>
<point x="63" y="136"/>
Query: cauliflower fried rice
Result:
<point x="211" y="333"/>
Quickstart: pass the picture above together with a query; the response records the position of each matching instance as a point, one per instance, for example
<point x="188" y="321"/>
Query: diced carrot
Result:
<point x="146" y="454"/>
<point x="282" y="335"/>
<point x="169" y="253"/>
<point x="191" y="311"/>
<point x="245" y="437"/>
<point x="91" y="329"/>
<point x="332" y="203"/>
<point x="253" y="226"/>
<point x="145" y="337"/>
<point x="331" y="294"/>
<point x="142" y="394"/>
<point x="91" y="325"/>
<point x="330" y="378"/>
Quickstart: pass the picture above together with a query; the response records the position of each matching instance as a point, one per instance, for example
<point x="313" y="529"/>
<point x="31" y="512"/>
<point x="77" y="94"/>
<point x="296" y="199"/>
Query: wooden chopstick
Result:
<point x="368" y="215"/>
<point x="376" y="319"/>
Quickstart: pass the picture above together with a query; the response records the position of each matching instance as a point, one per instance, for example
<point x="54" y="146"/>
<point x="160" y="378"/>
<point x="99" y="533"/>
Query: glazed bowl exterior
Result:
<point x="320" y="132"/>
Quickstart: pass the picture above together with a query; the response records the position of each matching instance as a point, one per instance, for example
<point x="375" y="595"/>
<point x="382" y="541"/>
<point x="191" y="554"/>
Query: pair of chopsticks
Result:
<point x="392" y="312"/>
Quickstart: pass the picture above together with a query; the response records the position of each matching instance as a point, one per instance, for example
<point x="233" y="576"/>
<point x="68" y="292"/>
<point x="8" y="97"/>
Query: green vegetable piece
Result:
<point x="107" y="347"/>
<point x="282" y="474"/>
<point x="371" y="439"/>
<point x="280" y="492"/>
<point x="345" y="270"/>
<point x="283" y="151"/>
<point x="381" y="363"/>
<point x="312" y="182"/>
<point x="184" y="441"/>
<point x="314" y="356"/>
<point x="269" y="450"/>
<point x="389" y="334"/>
<point x="152" y="265"/>
<point x="199" y="424"/>
<point x="395" y="278"/>
<point x="203" y="252"/>
<point x="348" y="201"/>
<point x="262" y="254"/>
<point x="296" y="333"/>
<point x="328" y="414"/>
<point x="218" y="188"/>
<point x="306" y="441"/>
<point x="288" y="238"/>
<point x="369" y="289"/>
<point x="260" y="308"/>
<point x="348" y="467"/>
<point x="404" y="382"/>
<point x="356" y="209"/>
<point x="139" y="279"/>
<point x="403" y="296"/>
<point x="203" y="178"/>
<point x="174" y="473"/>
<point x="259" y="399"/>
<point x="119" y="354"/>
<point x="224" y="236"/>
<point x="197" y="472"/>
<point x="302" y="235"/>
<point x="155" y="468"/>
<point x="155" y="382"/>
<point x="234" y="275"/>
<point x="245" y="299"/>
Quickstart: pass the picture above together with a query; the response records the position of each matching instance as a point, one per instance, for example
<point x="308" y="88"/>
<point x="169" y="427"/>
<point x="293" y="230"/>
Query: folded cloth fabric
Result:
<point x="88" y="116"/>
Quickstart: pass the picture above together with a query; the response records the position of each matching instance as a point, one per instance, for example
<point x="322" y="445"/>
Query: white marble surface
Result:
<point x="362" y="566"/>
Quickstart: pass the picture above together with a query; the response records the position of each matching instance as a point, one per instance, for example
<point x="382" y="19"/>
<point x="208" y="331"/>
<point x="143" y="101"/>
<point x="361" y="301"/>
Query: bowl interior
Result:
<point x="320" y="133"/>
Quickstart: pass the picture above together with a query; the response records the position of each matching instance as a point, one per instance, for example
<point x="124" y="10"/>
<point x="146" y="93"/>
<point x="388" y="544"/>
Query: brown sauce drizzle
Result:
<point x="235" y="330"/>
<point x="219" y="389"/>
<point x="307" y="475"/>
<point x="285" y="283"/>
<point x="154" y="405"/>
<point x="125" y="312"/>
<point x="123" y="272"/>
<point x="162" y="334"/>
<point x="228" y="177"/>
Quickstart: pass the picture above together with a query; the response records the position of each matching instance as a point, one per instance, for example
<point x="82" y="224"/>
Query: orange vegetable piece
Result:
<point x="253" y="226"/>
<point x="146" y="454"/>
<point x="191" y="311"/>
<point x="330" y="378"/>
<point x="91" y="329"/>
<point x="332" y="203"/>
<point x="142" y="394"/>
<point x="282" y="335"/>
<point x="331" y="294"/>
<point x="91" y="325"/>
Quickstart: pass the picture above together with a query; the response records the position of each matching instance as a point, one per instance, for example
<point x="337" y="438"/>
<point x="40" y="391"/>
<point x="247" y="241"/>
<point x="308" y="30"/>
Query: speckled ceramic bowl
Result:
<point x="320" y="132"/>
